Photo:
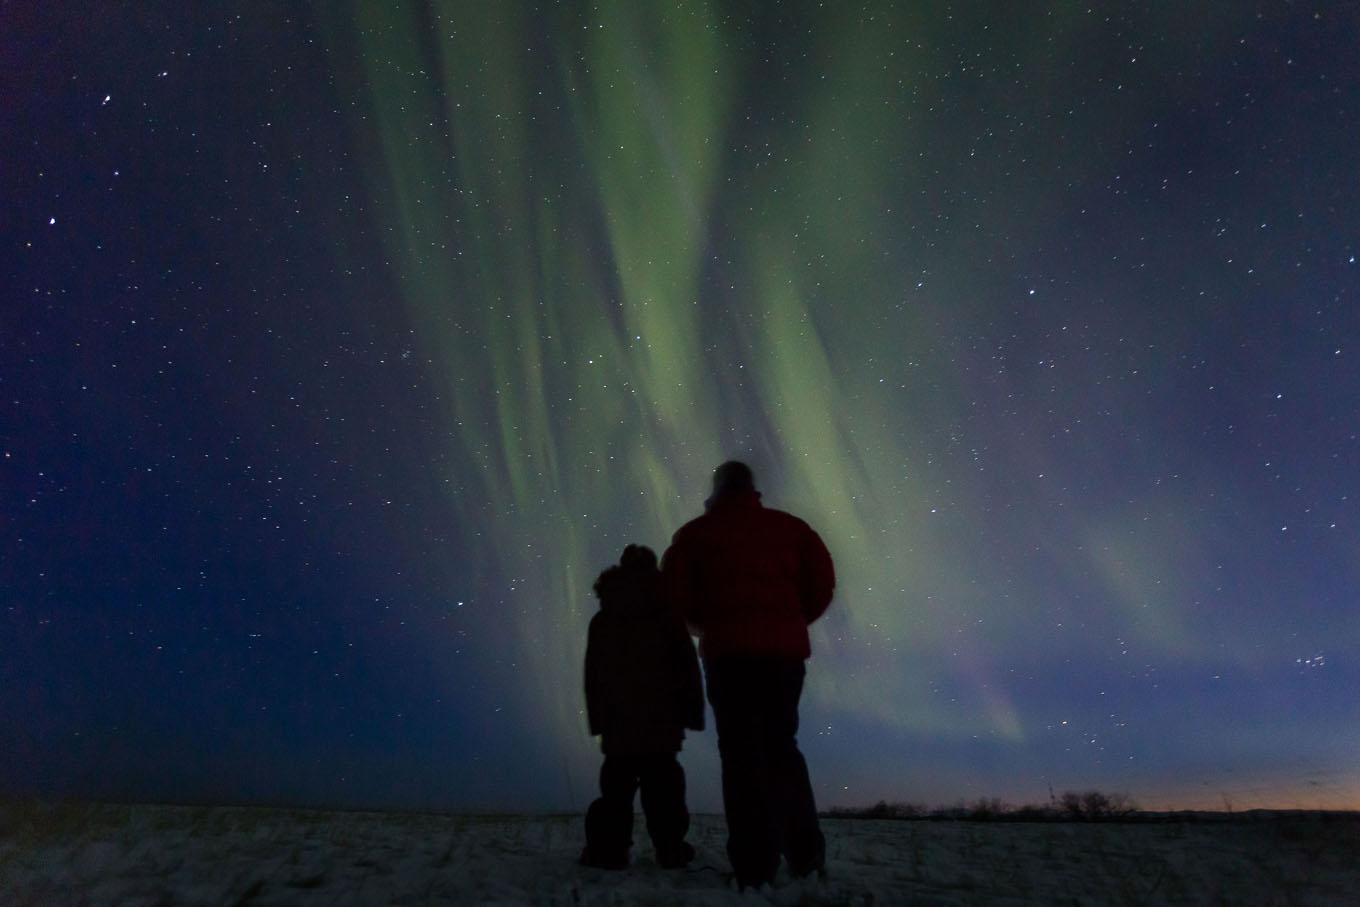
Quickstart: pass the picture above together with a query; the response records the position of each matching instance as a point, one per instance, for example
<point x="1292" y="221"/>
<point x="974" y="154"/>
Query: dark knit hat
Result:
<point x="733" y="476"/>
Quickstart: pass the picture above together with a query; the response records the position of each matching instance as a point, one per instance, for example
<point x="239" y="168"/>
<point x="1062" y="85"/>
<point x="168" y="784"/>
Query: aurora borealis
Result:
<point x="346" y="343"/>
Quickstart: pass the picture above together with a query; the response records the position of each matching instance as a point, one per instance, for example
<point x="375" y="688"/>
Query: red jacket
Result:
<point x="747" y="579"/>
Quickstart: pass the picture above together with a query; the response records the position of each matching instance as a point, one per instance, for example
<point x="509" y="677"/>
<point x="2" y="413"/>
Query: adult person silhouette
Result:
<point x="748" y="580"/>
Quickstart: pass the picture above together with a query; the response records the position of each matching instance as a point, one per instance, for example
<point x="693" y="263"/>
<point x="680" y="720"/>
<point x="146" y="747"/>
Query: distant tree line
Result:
<point x="1072" y="806"/>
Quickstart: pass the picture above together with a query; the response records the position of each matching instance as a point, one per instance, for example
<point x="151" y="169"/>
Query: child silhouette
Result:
<point x="643" y="689"/>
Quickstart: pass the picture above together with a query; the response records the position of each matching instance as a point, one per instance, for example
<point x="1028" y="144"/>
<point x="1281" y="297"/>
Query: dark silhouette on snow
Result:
<point x="643" y="689"/>
<point x="748" y="580"/>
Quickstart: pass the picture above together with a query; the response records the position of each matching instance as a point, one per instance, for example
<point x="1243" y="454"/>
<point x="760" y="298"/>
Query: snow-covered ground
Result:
<point x="76" y="854"/>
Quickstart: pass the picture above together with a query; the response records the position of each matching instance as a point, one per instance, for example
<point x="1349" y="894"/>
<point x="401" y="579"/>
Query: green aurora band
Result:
<point x="633" y="242"/>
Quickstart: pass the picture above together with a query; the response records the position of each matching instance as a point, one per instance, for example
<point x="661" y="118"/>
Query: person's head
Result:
<point x="732" y="477"/>
<point x="635" y="569"/>
<point x="638" y="557"/>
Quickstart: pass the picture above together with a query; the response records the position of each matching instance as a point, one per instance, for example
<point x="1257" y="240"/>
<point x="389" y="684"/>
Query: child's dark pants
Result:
<point x="609" y="821"/>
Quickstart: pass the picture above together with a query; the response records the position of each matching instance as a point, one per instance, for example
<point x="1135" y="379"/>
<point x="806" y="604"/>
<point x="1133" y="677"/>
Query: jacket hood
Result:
<point x="622" y="590"/>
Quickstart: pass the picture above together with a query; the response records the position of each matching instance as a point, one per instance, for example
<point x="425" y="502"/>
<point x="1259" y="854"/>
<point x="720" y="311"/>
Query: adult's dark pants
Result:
<point x="767" y="795"/>
<point x="609" y="820"/>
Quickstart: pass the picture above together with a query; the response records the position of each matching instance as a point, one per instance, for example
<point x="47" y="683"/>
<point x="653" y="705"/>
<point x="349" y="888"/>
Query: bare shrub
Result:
<point x="1092" y="805"/>
<point x="1095" y="804"/>
<point x="1122" y="805"/>
<point x="988" y="809"/>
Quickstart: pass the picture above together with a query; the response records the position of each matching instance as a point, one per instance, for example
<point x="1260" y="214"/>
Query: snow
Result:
<point x="151" y="855"/>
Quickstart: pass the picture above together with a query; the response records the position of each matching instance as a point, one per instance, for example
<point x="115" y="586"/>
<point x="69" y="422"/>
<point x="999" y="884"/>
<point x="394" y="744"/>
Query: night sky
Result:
<point x="343" y="344"/>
